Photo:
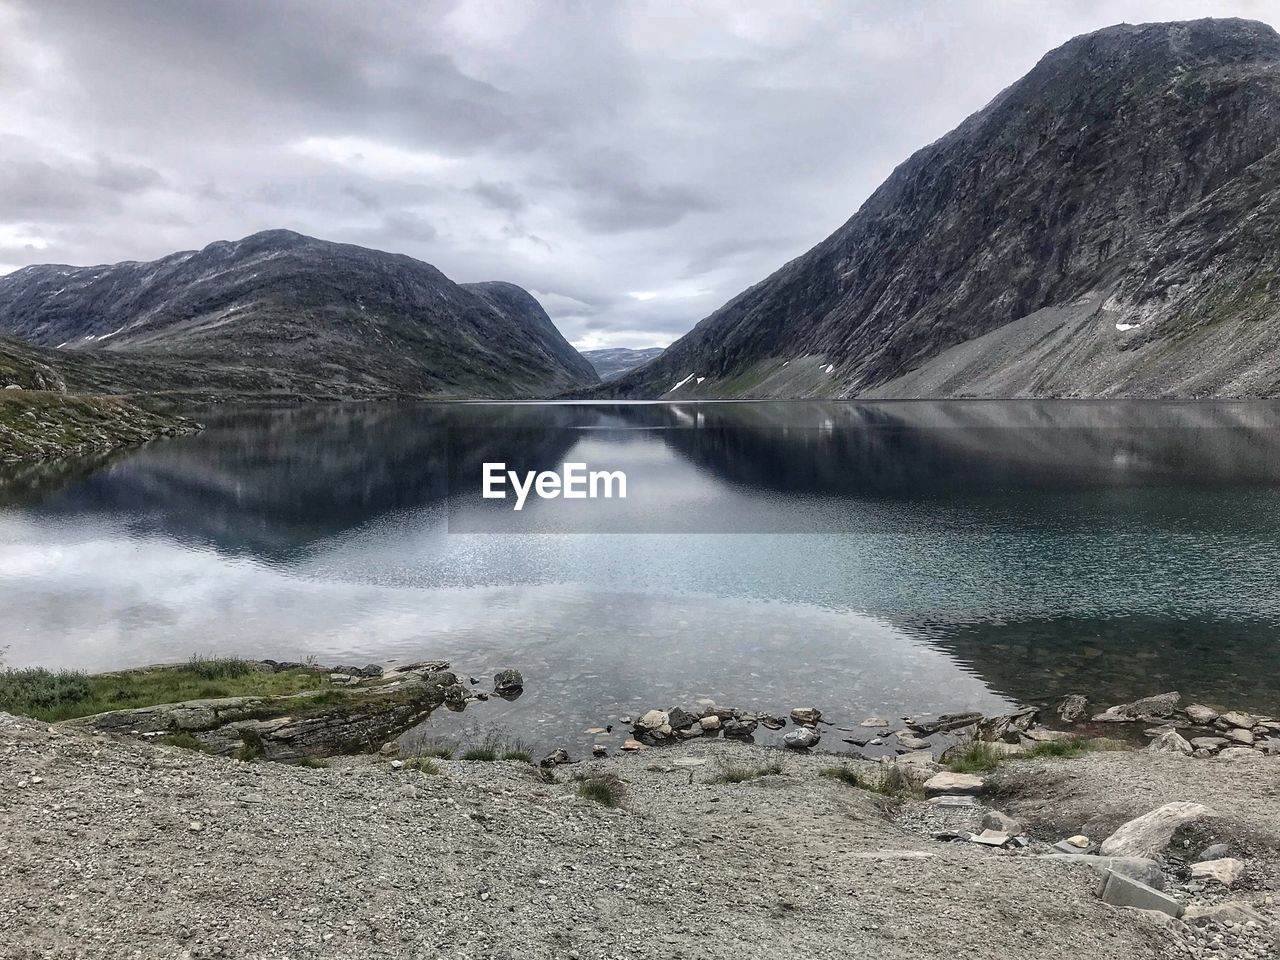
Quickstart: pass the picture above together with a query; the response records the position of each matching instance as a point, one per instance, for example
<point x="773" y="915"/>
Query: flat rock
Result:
<point x="1199" y="713"/>
<point x="652" y="721"/>
<point x="1159" y="707"/>
<point x="1142" y="869"/>
<point x="947" y="782"/>
<point x="1239" y="753"/>
<point x="1149" y="834"/>
<point x="910" y="742"/>
<point x="1235" y="718"/>
<point x="1225" y="870"/>
<point x="1122" y="891"/>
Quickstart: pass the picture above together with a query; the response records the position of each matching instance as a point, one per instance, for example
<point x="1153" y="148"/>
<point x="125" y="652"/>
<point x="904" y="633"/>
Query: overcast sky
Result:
<point x="634" y="165"/>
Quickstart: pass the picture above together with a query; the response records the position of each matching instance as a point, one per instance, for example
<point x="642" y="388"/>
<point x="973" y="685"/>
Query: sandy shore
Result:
<point x="116" y="848"/>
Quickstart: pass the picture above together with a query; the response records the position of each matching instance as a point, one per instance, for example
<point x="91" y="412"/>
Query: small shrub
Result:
<point x="37" y="689"/>
<point x="439" y="751"/>
<point x="517" y="754"/>
<point x="605" y="790"/>
<point x="423" y="765"/>
<point x="735" y="773"/>
<point x="847" y="776"/>
<point x="218" y="668"/>
<point x="485" y="751"/>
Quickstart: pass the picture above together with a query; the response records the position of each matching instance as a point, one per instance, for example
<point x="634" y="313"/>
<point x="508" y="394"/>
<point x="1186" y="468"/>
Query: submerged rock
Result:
<point x="1073" y="707"/>
<point x="507" y="682"/>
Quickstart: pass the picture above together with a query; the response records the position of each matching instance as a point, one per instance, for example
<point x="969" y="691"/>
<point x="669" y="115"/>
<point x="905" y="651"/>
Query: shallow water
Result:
<point x="893" y="558"/>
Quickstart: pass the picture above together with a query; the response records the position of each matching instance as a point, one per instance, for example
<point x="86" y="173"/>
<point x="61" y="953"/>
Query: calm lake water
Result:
<point x="892" y="558"/>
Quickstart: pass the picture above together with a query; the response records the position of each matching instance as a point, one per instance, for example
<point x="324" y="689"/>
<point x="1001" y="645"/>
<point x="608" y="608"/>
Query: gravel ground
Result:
<point x="123" y="849"/>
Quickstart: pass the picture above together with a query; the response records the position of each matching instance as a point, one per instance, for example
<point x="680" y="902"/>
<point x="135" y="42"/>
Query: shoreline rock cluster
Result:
<point x="368" y="707"/>
<point x="1197" y="730"/>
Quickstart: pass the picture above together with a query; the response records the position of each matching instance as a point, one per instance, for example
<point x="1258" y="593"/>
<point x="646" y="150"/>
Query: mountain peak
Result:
<point x="1062" y="188"/>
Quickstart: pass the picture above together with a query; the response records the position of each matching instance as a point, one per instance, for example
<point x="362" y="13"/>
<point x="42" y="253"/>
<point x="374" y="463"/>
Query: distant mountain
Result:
<point x="613" y="362"/>
<point x="278" y="312"/>
<point x="1107" y="226"/>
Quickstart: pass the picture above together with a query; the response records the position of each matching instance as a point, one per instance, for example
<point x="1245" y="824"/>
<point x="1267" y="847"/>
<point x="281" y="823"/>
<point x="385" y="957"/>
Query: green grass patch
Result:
<point x="605" y="790"/>
<point x="63" y="695"/>
<point x="977" y="756"/>
<point x="438" y="750"/>
<point x="518" y="754"/>
<point x="739" y="773"/>
<point x="1058" y="748"/>
<point x="183" y="739"/>
<point x="892" y="782"/>
<point x="313" y="763"/>
<point x="424" y="765"/>
<point x="251" y="746"/>
<point x="486" y="751"/>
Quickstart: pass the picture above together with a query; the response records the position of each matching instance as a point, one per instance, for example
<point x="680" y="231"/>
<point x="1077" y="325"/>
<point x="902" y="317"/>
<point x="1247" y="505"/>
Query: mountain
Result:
<point x="280" y="313"/>
<point x="613" y="362"/>
<point x="1107" y="226"/>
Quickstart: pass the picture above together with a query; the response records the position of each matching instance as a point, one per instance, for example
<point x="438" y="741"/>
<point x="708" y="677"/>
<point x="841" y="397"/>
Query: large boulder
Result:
<point x="1170" y="742"/>
<point x="802" y="738"/>
<point x="1149" y="834"/>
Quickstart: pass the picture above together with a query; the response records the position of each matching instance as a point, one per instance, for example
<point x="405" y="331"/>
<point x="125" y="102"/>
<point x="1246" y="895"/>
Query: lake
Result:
<point x="888" y="558"/>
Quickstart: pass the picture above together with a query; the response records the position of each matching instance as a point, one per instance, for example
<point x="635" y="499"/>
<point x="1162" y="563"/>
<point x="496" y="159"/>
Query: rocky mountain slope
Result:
<point x="1107" y="226"/>
<point x="280" y="313"/>
<point x="613" y="362"/>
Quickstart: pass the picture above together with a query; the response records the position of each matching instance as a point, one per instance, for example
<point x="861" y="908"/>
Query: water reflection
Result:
<point x="983" y="551"/>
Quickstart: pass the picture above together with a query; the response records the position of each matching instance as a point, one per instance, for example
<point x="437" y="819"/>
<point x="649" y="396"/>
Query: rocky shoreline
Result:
<point x="39" y="424"/>
<point x="1176" y="842"/>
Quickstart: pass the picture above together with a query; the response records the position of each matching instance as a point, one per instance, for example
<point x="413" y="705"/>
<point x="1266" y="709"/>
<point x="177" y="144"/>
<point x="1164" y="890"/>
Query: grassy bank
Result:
<point x="38" y="424"/>
<point x="65" y="694"/>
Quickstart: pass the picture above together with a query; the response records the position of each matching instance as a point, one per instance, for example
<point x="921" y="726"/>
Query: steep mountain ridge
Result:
<point x="296" y="314"/>
<point x="1135" y="167"/>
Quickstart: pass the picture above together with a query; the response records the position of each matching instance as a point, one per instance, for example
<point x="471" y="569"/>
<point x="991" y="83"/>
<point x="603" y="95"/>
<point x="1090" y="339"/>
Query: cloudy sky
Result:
<point x="633" y="164"/>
